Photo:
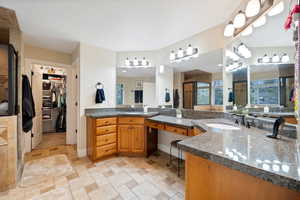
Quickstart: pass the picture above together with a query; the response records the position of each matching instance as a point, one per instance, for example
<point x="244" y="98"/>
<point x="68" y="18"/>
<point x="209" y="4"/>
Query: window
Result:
<point x="218" y="89"/>
<point x="120" y="94"/>
<point x="265" y="91"/>
<point x="203" y="93"/>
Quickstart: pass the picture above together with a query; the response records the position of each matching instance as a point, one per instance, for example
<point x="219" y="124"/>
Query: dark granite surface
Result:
<point x="173" y="121"/>
<point x="248" y="151"/>
<point x="98" y="113"/>
<point x="273" y="114"/>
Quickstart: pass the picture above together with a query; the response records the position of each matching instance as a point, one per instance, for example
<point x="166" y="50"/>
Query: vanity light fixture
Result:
<point x="244" y="51"/>
<point x="275" y="58"/>
<point x="260" y="21"/>
<point x="232" y="55"/>
<point x="172" y="55"/>
<point x="233" y="67"/>
<point x="135" y="63"/>
<point x="181" y="55"/>
<point x="239" y="20"/>
<point x="285" y="58"/>
<point x="229" y="30"/>
<point x="276" y="9"/>
<point x="253" y="8"/>
<point x="266" y="59"/>
<point x="247" y="31"/>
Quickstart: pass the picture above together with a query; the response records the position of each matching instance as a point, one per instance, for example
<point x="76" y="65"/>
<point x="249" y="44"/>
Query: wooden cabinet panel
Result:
<point x="106" y="121"/>
<point x="195" y="131"/>
<point x="177" y="130"/>
<point x="131" y="120"/>
<point x="138" y="139"/>
<point x="106" y="139"/>
<point x="124" y="138"/>
<point x="106" y="129"/>
<point x="106" y="150"/>
<point x="155" y="125"/>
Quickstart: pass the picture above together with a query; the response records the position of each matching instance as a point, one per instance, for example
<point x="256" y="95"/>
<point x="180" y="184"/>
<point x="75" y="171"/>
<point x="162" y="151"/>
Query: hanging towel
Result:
<point x="167" y="97"/>
<point x="100" y="96"/>
<point x="176" y="99"/>
<point x="292" y="95"/>
<point x="28" y="107"/>
<point x="230" y="97"/>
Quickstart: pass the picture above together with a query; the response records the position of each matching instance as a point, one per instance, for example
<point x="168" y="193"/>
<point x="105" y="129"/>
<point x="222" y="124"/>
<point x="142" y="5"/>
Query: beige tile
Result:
<point x="106" y="192"/>
<point x="146" y="190"/>
<point x="131" y="184"/>
<point x="108" y="173"/>
<point x="119" y="179"/>
<point x="80" y="194"/>
<point x="91" y="187"/>
<point x="162" y="196"/>
<point x="126" y="193"/>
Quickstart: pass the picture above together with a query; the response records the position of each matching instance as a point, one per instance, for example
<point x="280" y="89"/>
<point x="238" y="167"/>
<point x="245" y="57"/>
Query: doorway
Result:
<point x="49" y="91"/>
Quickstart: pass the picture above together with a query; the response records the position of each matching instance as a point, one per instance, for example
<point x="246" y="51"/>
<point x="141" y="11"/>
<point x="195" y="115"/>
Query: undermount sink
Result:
<point x="222" y="126"/>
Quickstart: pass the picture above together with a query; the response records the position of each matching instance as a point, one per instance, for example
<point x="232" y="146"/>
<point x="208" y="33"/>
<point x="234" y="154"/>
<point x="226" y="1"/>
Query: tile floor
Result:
<point x="115" y="178"/>
<point x="52" y="139"/>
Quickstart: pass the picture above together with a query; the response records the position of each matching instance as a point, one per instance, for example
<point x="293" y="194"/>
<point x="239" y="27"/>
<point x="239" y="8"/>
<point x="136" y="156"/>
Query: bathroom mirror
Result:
<point x="260" y="66"/>
<point x="135" y="87"/>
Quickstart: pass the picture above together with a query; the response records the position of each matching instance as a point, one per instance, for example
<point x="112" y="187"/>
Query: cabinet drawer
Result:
<point x="177" y="130"/>
<point x="131" y="120"/>
<point x="106" y="129"/>
<point x="106" y="139"/>
<point x="106" y="121"/>
<point x="106" y="150"/>
<point x="155" y="125"/>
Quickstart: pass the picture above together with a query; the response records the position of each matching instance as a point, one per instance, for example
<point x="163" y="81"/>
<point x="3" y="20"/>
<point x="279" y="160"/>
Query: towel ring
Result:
<point x="99" y="85"/>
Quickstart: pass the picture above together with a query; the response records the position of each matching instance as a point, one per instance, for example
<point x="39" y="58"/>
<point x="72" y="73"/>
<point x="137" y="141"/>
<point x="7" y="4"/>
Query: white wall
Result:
<point x="96" y="65"/>
<point x="164" y="80"/>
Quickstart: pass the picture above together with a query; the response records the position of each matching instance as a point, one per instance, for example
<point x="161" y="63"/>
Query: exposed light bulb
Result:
<point x="244" y="51"/>
<point x="189" y="50"/>
<point x="229" y="30"/>
<point x="144" y="62"/>
<point x="239" y="20"/>
<point x="276" y="9"/>
<point x="247" y="31"/>
<point x="172" y="55"/>
<point x="266" y="59"/>
<point x="253" y="8"/>
<point x="285" y="58"/>
<point x="135" y="62"/>
<point x="127" y="62"/>
<point x="260" y="21"/>
<point x="231" y="55"/>
<point x="275" y="58"/>
<point x="180" y="53"/>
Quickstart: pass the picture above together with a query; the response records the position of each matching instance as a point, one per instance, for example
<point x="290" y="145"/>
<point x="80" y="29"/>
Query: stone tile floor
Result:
<point x="119" y="178"/>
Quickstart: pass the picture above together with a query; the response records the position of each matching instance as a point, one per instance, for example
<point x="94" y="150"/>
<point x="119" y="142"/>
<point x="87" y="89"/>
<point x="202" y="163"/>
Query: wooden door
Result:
<point x="138" y="139"/>
<point x="188" y="102"/>
<point x="124" y="138"/>
<point x="240" y="93"/>
<point x="37" y="89"/>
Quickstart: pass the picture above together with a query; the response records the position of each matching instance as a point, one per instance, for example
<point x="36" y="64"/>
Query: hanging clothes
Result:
<point x="167" y="96"/>
<point x="28" y="107"/>
<point x="100" y="96"/>
<point x="292" y="95"/>
<point x="176" y="99"/>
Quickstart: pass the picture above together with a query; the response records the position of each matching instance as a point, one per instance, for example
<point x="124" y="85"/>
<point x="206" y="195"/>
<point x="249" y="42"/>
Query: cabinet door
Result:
<point x="124" y="138"/>
<point x="138" y="139"/>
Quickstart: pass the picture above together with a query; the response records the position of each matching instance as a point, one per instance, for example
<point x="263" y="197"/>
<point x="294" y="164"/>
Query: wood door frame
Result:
<point x="28" y="68"/>
<point x="193" y="95"/>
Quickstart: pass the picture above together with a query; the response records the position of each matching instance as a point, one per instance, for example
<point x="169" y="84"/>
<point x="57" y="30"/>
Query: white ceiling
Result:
<point x="208" y="62"/>
<point x="134" y="72"/>
<point x="120" y="25"/>
<point x="272" y="34"/>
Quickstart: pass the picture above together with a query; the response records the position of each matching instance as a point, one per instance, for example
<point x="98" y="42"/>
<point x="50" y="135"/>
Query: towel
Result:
<point x="168" y="98"/>
<point x="28" y="107"/>
<point x="176" y="99"/>
<point x="100" y="96"/>
<point x="230" y="97"/>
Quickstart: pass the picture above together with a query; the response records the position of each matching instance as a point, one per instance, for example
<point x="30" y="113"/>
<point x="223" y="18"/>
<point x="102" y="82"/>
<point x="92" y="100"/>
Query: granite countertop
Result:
<point x="99" y="114"/>
<point x="273" y="114"/>
<point x="183" y="122"/>
<point x="248" y="151"/>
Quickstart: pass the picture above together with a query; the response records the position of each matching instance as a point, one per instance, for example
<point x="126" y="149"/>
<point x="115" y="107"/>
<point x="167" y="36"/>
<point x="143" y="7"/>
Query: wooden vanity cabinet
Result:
<point x="131" y="135"/>
<point x="101" y="137"/>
